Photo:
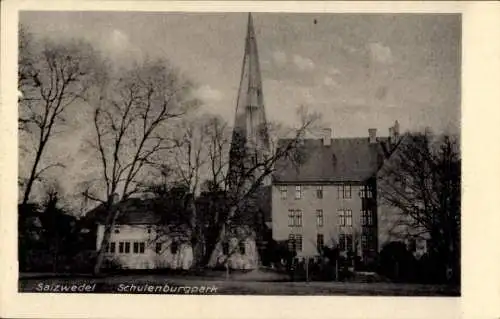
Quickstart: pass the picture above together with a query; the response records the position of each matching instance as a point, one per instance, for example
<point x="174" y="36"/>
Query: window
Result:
<point x="319" y="218"/>
<point x="291" y="242"/>
<point x="366" y="218"/>
<point x="283" y="190"/>
<point x="120" y="247"/>
<point x="112" y="247"/>
<point x="158" y="248"/>
<point x="107" y="248"/>
<point x="127" y="247"/>
<point x="291" y="218"/>
<point x="344" y="191"/>
<point x="349" y="242"/>
<point x="142" y="248"/>
<point x="342" y="242"/>
<point x="136" y="248"/>
<point x="345" y="242"/>
<point x="364" y="242"/>
<point x="295" y="242"/>
<point x="345" y="217"/>
<point x="241" y="245"/>
<point x="149" y="229"/>
<point x="298" y="218"/>
<point x="298" y="192"/>
<point x="319" y="191"/>
<point x="365" y="192"/>
<point x="174" y="247"/>
<point x="320" y="241"/>
<point x="294" y="218"/>
<point x="298" y="242"/>
<point x="117" y="229"/>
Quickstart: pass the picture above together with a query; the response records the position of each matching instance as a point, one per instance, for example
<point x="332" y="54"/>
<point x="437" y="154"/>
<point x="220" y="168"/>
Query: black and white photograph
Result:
<point x="239" y="153"/>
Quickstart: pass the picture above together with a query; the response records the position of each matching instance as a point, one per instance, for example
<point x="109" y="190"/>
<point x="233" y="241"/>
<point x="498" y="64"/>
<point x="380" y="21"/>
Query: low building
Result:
<point x="140" y="239"/>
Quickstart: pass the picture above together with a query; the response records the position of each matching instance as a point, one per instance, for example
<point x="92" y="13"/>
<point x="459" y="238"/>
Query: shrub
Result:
<point x="396" y="262"/>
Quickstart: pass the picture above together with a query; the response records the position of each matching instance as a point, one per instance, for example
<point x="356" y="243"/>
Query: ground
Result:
<point x="229" y="286"/>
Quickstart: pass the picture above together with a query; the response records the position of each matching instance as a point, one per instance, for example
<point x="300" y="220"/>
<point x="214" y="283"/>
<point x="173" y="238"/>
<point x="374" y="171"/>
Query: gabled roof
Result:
<point x="344" y="160"/>
<point x="132" y="211"/>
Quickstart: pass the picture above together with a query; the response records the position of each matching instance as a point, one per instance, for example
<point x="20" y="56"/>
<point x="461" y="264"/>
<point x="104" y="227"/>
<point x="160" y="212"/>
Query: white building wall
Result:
<point x="150" y="258"/>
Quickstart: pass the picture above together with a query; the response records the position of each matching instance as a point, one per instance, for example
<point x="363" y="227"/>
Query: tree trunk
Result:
<point x="32" y="176"/>
<point x="112" y="215"/>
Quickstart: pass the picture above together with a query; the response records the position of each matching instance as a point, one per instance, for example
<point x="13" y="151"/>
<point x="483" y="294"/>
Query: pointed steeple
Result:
<point x="250" y="136"/>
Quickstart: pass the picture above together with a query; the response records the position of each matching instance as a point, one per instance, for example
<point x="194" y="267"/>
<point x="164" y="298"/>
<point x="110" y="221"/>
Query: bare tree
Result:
<point x="133" y="116"/>
<point x="422" y="181"/>
<point x="242" y="189"/>
<point x="52" y="77"/>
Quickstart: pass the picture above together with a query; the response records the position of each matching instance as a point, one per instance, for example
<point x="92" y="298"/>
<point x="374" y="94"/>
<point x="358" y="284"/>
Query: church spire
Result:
<point x="250" y="138"/>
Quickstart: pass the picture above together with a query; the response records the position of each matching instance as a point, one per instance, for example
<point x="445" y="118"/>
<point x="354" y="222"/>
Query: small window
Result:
<point x="344" y="191"/>
<point x="320" y="241"/>
<point x="345" y="242"/>
<point x="291" y="218"/>
<point x="319" y="218"/>
<point x="365" y="192"/>
<point x="349" y="242"/>
<point x="294" y="218"/>
<point x="174" y="248"/>
<point x="298" y="192"/>
<point x="127" y="247"/>
<point x="283" y="191"/>
<point x="298" y="218"/>
<point x="291" y="242"/>
<point x="158" y="248"/>
<point x="345" y="217"/>
<point x="142" y="248"/>
<point x="342" y="241"/>
<point x="348" y="217"/>
<point x="149" y="229"/>
<point x="319" y="192"/>
<point x="298" y="242"/>
<point x="366" y="218"/>
<point x="121" y="247"/>
<point x="136" y="248"/>
<point x="112" y="247"/>
<point x="117" y="229"/>
<point x="364" y="242"/>
<point x="242" y="247"/>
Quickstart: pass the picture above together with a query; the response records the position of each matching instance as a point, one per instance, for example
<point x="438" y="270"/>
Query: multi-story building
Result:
<point x="329" y="197"/>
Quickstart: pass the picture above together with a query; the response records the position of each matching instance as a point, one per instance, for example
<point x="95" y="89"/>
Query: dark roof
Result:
<point x="132" y="211"/>
<point x="345" y="159"/>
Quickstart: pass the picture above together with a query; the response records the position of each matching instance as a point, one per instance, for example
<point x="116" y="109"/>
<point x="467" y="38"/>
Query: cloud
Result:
<point x="119" y="40"/>
<point x="117" y="45"/>
<point x="329" y="81"/>
<point x="304" y="64"/>
<point x="334" y="71"/>
<point x="279" y="57"/>
<point x="380" y="52"/>
<point x="207" y="93"/>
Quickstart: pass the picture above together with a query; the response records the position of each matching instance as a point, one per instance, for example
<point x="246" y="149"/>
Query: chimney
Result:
<point x="327" y="137"/>
<point x="396" y="129"/>
<point x="372" y="134"/>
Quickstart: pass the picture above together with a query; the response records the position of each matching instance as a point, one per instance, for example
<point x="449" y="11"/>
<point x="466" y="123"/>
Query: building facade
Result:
<point x="144" y="246"/>
<point x="329" y="198"/>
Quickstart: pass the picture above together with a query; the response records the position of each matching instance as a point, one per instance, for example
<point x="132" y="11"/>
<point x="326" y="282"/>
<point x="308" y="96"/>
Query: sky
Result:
<point x="359" y="71"/>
